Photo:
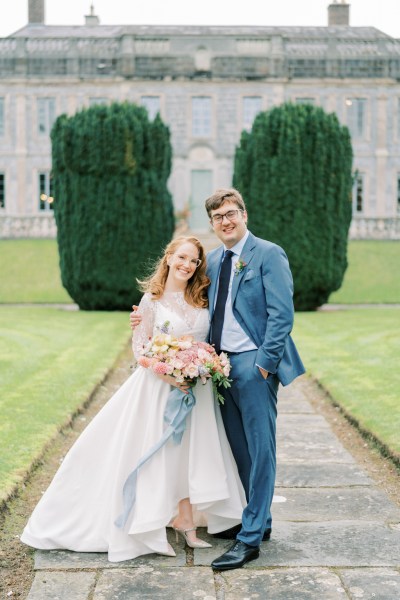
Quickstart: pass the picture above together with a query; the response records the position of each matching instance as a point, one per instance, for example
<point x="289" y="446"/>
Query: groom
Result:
<point x="251" y="312"/>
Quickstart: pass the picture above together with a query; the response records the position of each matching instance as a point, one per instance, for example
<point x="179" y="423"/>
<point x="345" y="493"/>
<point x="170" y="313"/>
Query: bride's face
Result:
<point x="183" y="263"/>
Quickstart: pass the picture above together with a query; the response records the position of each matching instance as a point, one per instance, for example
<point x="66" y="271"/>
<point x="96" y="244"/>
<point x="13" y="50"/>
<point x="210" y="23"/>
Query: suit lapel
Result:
<point x="246" y="257"/>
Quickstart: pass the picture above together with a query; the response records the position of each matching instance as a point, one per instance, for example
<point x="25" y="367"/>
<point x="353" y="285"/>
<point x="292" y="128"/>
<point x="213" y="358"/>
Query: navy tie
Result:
<point x="219" y="311"/>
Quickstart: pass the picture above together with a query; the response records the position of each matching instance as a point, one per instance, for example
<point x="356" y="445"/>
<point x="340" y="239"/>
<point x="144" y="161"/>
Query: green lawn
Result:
<point x="51" y="360"/>
<point x="30" y="272"/>
<point x="373" y="274"/>
<point x="354" y="354"/>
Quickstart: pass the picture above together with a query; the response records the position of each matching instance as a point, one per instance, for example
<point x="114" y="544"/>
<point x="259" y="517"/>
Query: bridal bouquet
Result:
<point x="187" y="360"/>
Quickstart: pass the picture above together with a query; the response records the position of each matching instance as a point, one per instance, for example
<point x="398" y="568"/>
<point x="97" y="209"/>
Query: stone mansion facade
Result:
<point x="208" y="83"/>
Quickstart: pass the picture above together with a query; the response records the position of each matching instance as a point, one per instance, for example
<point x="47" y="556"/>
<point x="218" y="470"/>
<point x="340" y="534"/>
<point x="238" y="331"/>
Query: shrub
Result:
<point x="294" y="171"/>
<point x="112" y="206"/>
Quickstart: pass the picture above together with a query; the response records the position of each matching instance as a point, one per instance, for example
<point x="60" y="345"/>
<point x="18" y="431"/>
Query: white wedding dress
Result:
<point x="78" y="510"/>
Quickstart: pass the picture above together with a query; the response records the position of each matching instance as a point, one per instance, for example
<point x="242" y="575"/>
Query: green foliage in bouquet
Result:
<point x="294" y="170"/>
<point x="113" y="210"/>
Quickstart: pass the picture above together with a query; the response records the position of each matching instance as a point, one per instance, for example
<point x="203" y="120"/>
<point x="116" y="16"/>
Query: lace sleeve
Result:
<point x="144" y="332"/>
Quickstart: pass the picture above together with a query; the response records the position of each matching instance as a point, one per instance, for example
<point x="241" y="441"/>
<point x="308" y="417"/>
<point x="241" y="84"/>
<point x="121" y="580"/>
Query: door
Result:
<point x="201" y="189"/>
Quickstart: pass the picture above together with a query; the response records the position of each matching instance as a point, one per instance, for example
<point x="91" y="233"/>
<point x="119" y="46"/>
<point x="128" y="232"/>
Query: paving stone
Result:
<point x="303" y="424"/>
<point x="291" y="391"/>
<point x="316" y="446"/>
<point x="334" y="504"/>
<point x="283" y="584"/>
<point x="149" y="583"/>
<point x="371" y="584"/>
<point x="61" y="586"/>
<point x="324" y="544"/>
<point x="294" y="405"/>
<point x="315" y="475"/>
<point x="64" y="559"/>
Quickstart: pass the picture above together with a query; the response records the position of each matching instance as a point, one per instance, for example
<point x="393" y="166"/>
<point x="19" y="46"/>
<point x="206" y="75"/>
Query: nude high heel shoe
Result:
<point x="183" y="533"/>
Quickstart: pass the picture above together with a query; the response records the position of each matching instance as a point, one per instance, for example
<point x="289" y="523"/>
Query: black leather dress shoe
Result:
<point x="230" y="534"/>
<point x="237" y="556"/>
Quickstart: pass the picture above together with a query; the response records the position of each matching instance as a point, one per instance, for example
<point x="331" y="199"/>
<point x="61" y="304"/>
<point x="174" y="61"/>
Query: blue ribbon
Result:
<point x="179" y="405"/>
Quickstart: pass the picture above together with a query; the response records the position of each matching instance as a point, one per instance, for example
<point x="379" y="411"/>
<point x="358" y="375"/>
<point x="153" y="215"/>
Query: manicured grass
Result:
<point x="30" y="272"/>
<point x="354" y="354"/>
<point x="51" y="360"/>
<point x="373" y="274"/>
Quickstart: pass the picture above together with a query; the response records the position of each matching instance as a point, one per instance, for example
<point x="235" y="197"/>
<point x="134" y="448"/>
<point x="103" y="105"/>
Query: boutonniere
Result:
<point x="239" y="266"/>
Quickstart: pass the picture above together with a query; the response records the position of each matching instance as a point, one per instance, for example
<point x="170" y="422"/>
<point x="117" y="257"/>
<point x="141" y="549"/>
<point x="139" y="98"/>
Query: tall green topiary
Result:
<point x="294" y="171"/>
<point x="112" y="206"/>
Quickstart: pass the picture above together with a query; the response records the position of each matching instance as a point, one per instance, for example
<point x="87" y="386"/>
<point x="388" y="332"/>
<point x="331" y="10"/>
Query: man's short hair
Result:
<point x="223" y="195"/>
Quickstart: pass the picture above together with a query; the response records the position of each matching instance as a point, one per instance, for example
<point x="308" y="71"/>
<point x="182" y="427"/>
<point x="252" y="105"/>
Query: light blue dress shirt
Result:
<point x="234" y="338"/>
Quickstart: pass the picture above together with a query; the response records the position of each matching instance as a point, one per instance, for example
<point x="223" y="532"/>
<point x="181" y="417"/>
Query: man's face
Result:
<point x="230" y="229"/>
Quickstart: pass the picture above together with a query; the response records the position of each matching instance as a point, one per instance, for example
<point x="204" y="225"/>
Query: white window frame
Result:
<point x="152" y="103"/>
<point x="2" y="117"/>
<point x="398" y="194"/>
<point x="249" y="112"/>
<point x="45" y="188"/>
<point x="46" y="115"/>
<point x="305" y="100"/>
<point x="358" y="194"/>
<point x="356" y="117"/>
<point x="94" y="100"/>
<point x="2" y="190"/>
<point x="202" y="116"/>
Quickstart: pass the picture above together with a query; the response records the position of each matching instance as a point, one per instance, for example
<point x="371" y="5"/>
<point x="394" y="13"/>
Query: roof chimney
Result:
<point x="92" y="20"/>
<point x="338" y="13"/>
<point x="36" y="12"/>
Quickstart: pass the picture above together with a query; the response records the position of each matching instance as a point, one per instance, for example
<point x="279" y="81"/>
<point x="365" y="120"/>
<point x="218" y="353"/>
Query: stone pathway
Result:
<point x="335" y="535"/>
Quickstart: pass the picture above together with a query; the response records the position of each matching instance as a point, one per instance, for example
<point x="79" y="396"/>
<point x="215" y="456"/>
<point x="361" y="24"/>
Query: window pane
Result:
<point x="358" y="194"/>
<point x="45" y="191"/>
<point x="251" y="108"/>
<point x="46" y="114"/>
<point x="152" y="103"/>
<point x="356" y="116"/>
<point x="2" y="191"/>
<point x="94" y="101"/>
<point x="398" y="193"/>
<point x="1" y="116"/>
<point x="305" y="100"/>
<point x="201" y="116"/>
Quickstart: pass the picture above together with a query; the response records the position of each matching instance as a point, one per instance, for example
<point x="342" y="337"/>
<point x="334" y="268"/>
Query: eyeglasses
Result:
<point x="231" y="215"/>
<point x="182" y="258"/>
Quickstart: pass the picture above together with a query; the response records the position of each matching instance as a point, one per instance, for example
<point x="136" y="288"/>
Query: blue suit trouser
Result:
<point x="249" y="415"/>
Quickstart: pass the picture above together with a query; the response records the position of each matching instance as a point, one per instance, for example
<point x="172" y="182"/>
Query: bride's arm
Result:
<point x="143" y="332"/>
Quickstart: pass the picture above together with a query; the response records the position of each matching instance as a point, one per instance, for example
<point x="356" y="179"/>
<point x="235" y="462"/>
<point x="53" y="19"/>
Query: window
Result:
<point x="46" y="191"/>
<point x="2" y="190"/>
<point x="356" y="116"/>
<point x="251" y="108"/>
<point x="201" y="116"/>
<point x="152" y="103"/>
<point x="46" y="115"/>
<point x="1" y="116"/>
<point x="94" y="101"/>
<point x="305" y="100"/>
<point x="398" y="118"/>
<point x="358" y="194"/>
<point x="398" y="193"/>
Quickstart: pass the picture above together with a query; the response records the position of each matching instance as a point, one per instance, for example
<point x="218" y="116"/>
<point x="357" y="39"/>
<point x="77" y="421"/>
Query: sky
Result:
<point x="382" y="14"/>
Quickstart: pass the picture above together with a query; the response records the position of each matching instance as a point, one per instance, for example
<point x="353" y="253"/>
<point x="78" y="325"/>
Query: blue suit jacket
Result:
<point x="262" y="302"/>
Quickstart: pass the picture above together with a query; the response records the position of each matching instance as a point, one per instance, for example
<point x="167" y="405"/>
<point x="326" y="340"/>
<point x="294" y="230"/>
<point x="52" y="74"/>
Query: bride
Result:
<point x="194" y="483"/>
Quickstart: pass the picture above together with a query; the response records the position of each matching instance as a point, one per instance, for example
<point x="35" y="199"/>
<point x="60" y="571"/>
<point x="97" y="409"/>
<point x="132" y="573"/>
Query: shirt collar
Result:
<point x="237" y="248"/>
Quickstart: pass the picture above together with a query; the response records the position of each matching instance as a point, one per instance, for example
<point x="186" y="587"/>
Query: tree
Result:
<point x="112" y="206"/>
<point x="294" y="171"/>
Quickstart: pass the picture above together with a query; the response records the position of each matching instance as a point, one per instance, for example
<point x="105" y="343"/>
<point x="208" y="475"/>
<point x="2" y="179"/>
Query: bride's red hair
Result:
<point x="196" y="289"/>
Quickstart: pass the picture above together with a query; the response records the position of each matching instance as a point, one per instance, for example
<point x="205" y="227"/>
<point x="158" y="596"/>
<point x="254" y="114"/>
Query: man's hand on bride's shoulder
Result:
<point x="134" y="318"/>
